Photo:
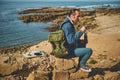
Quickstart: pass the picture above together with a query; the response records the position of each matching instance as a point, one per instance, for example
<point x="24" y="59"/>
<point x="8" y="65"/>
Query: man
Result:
<point x="73" y="39"/>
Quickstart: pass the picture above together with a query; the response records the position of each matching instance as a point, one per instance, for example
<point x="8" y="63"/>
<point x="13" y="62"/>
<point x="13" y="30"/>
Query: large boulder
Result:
<point x="45" y="46"/>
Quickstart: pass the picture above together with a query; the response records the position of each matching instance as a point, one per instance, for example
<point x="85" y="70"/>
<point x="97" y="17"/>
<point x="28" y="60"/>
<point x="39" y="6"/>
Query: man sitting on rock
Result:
<point x="75" y="47"/>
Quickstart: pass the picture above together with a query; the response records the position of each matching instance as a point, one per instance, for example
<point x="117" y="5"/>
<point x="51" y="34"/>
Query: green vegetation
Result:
<point x="92" y="61"/>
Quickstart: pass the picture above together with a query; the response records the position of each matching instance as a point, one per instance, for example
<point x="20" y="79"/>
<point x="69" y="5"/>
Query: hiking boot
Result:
<point x="86" y="68"/>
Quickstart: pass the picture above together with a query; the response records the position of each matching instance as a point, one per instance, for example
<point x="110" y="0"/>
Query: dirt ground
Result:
<point x="105" y="40"/>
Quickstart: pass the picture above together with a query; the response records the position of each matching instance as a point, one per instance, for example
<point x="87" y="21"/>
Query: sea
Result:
<point x="14" y="32"/>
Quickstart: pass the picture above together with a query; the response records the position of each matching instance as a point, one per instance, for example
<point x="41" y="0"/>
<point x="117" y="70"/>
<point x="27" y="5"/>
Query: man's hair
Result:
<point x="72" y="11"/>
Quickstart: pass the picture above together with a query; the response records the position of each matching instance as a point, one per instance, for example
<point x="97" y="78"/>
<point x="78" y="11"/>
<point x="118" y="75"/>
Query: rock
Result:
<point x="78" y="75"/>
<point x="31" y="76"/>
<point x="6" y="69"/>
<point x="60" y="75"/>
<point x="54" y="13"/>
<point x="3" y="59"/>
<point x="39" y="75"/>
<point x="112" y="76"/>
<point x="98" y="77"/>
<point x="90" y="78"/>
<point x="45" y="46"/>
<point x="63" y="64"/>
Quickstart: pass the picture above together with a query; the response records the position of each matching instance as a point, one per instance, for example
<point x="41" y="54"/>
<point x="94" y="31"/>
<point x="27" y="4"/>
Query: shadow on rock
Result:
<point x="115" y="67"/>
<point x="101" y="71"/>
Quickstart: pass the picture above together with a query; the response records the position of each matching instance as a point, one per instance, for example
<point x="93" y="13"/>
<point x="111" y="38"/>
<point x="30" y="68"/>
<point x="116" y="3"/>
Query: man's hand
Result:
<point x="83" y="29"/>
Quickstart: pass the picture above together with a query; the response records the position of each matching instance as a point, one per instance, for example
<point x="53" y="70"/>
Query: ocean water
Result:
<point x="14" y="32"/>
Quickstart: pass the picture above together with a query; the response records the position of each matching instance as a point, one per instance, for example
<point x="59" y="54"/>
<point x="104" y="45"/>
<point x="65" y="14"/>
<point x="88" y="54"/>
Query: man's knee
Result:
<point x="90" y="51"/>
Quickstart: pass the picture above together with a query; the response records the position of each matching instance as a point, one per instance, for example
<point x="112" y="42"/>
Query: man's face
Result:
<point x="76" y="16"/>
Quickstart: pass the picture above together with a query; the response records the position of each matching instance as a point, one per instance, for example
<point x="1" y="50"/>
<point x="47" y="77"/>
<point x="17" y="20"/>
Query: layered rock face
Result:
<point x="16" y="67"/>
<point x="40" y="68"/>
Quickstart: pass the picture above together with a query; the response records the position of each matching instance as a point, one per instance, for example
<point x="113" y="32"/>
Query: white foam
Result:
<point x="102" y="6"/>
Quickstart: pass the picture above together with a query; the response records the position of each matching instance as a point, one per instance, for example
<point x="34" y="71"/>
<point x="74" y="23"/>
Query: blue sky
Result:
<point x="60" y="0"/>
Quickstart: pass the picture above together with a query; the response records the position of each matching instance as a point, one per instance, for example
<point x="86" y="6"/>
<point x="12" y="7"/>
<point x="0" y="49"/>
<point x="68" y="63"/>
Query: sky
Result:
<point x="59" y="0"/>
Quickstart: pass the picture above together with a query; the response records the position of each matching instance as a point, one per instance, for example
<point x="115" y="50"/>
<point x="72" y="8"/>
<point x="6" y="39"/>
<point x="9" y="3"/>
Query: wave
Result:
<point x="93" y="6"/>
<point x="73" y="6"/>
<point x="102" y="6"/>
<point x="9" y="11"/>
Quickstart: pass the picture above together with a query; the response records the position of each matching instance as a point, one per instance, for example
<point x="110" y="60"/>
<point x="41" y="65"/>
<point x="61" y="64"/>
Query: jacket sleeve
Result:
<point x="70" y="34"/>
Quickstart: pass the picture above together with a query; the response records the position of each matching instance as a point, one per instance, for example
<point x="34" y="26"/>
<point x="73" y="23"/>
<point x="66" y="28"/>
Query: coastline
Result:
<point x="104" y="38"/>
<point x="57" y="15"/>
<point x="9" y="14"/>
<point x="87" y="17"/>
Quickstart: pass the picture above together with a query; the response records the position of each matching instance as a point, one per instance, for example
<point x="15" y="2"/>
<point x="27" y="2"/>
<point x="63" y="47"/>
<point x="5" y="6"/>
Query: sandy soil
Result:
<point x="105" y="40"/>
<point x="107" y="24"/>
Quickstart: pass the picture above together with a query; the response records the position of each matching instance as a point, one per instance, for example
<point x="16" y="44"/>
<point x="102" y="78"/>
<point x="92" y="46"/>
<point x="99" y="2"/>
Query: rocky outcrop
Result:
<point x="49" y="67"/>
<point x="16" y="67"/>
<point x="45" y="15"/>
<point x="45" y="10"/>
<point x="56" y="15"/>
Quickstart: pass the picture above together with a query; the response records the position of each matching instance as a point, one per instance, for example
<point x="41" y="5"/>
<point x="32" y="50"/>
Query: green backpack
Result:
<point x="58" y="41"/>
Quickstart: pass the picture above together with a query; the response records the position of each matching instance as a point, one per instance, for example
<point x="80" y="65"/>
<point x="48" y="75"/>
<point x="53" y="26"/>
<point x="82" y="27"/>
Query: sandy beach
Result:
<point x="103" y="38"/>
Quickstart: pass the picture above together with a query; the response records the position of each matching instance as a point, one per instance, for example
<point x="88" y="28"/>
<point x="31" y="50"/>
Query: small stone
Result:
<point x="98" y="77"/>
